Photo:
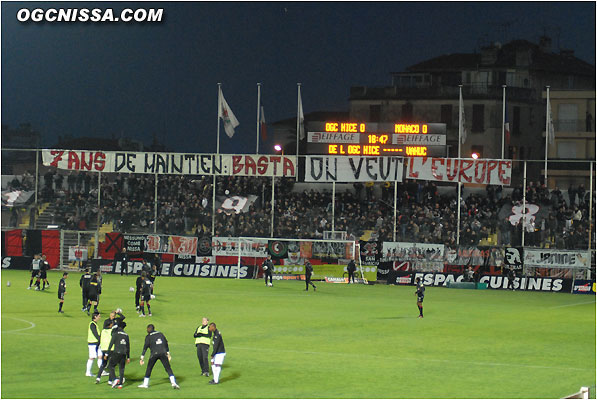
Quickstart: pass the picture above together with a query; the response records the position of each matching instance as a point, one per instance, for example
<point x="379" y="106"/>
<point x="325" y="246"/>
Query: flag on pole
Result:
<point x="462" y="127"/>
<point x="263" y="126"/>
<point x="507" y="128"/>
<point x="301" y="118"/>
<point x="227" y="116"/>
<point x="550" y="128"/>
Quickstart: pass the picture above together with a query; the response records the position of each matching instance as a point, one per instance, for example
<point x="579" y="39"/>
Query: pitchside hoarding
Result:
<point x="180" y="269"/>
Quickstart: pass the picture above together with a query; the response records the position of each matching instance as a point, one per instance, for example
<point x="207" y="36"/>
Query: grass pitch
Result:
<point x="339" y="342"/>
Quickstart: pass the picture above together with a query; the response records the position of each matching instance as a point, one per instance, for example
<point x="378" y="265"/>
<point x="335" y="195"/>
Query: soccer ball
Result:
<point x="119" y="311"/>
<point x="8" y="283"/>
<point x="270" y="284"/>
<point x="152" y="297"/>
<point x="131" y="289"/>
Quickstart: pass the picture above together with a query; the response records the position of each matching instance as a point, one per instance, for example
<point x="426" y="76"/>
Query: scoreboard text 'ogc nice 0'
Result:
<point x="376" y="139"/>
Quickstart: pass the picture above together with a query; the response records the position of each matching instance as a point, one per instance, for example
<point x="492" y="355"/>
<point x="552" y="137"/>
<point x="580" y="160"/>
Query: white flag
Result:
<point x="224" y="112"/>
<point x="462" y="121"/>
<point x="550" y="128"/>
<point x="301" y="118"/>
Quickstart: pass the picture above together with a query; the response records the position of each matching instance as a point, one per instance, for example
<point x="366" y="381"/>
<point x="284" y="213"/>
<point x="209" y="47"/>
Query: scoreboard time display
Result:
<point x="376" y="138"/>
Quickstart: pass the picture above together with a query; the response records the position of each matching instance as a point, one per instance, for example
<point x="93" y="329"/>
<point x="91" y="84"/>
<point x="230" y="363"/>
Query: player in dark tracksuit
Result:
<point x="145" y="294"/>
<point x="158" y="345"/>
<point x="120" y="354"/>
<point x="420" y="295"/>
<point x="308" y="273"/>
<point x="351" y="268"/>
<point x="95" y="288"/>
<point x="138" y="285"/>
<point x="124" y="262"/>
<point x="62" y="291"/>
<point x="84" y="284"/>
<point x="44" y="267"/>
<point x="217" y="355"/>
<point x="268" y="270"/>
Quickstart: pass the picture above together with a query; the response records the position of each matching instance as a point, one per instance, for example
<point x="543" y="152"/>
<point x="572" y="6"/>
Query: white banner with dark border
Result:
<point x="353" y="169"/>
<point x="488" y="172"/>
<point x="556" y="258"/>
<point x="170" y="163"/>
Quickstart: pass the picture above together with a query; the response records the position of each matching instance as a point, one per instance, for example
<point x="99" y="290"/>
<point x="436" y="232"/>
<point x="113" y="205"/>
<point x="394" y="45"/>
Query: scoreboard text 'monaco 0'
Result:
<point x="376" y="138"/>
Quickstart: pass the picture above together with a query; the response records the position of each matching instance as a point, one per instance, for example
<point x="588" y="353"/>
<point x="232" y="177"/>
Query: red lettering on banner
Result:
<point x="452" y="168"/>
<point x="237" y="164"/>
<point x="483" y="176"/>
<point x="288" y="168"/>
<point x="491" y="165"/>
<point x="465" y="165"/>
<point x="73" y="160"/>
<point x="250" y="165"/>
<point x="84" y="164"/>
<point x="411" y="173"/>
<point x="262" y="165"/>
<point x="57" y="157"/>
<point x="275" y="160"/>
<point x="504" y="168"/>
<point x="100" y="161"/>
<point x="434" y="168"/>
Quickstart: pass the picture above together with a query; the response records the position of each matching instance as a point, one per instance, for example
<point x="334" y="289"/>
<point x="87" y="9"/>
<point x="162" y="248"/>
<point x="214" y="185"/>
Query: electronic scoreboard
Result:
<point x="376" y="139"/>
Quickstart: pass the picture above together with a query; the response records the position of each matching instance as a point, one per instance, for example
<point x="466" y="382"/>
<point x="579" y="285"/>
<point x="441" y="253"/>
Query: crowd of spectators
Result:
<point x="424" y="214"/>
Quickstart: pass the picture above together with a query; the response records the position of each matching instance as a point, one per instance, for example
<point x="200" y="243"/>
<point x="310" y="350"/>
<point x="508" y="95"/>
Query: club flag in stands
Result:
<point x="301" y="117"/>
<point x="263" y="125"/>
<point x="507" y="128"/>
<point x="227" y="116"/>
<point x="462" y="120"/>
<point x="550" y="128"/>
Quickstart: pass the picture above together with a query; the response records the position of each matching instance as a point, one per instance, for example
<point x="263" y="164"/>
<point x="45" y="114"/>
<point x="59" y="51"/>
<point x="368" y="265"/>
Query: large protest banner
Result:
<point x="491" y="172"/>
<point x="353" y="169"/>
<point x="170" y="163"/>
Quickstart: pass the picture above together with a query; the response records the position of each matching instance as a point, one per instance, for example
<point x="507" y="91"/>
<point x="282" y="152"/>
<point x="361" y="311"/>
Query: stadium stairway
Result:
<point x="45" y="216"/>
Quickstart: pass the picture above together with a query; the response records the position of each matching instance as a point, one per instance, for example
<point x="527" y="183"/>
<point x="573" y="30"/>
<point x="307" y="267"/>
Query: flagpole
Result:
<point x="219" y="105"/>
<point x="460" y="105"/>
<point x="298" y="104"/>
<point x="213" y="198"/>
<point x="258" y="111"/>
<point x="547" y="111"/>
<point x="503" y="117"/>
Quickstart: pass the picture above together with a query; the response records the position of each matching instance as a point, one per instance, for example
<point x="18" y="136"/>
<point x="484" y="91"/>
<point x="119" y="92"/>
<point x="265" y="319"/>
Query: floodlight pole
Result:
<point x="524" y="201"/>
<point x="395" y="204"/>
<point x="272" y="225"/>
<point x="333" y="207"/>
<point x="155" y="204"/>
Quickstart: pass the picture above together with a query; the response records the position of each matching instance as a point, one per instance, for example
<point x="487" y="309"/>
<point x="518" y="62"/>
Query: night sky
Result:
<point x="139" y="80"/>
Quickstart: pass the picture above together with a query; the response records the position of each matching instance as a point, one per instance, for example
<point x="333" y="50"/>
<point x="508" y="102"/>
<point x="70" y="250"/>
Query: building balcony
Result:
<point x="469" y="92"/>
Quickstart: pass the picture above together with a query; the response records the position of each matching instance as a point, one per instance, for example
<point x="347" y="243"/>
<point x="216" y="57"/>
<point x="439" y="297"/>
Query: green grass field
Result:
<point x="339" y="342"/>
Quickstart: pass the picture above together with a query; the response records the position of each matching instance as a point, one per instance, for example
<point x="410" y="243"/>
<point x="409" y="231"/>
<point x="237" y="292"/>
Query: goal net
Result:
<point x="328" y="257"/>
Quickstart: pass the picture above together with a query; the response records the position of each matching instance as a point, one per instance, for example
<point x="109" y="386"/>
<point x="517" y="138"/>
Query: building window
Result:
<point x="446" y="115"/>
<point x="407" y="112"/>
<point x="478" y="118"/>
<point x="516" y="121"/>
<point x="566" y="150"/>
<point x="375" y="113"/>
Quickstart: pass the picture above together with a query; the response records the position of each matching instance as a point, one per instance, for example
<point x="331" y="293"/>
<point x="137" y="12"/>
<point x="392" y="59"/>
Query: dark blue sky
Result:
<point x="139" y="80"/>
